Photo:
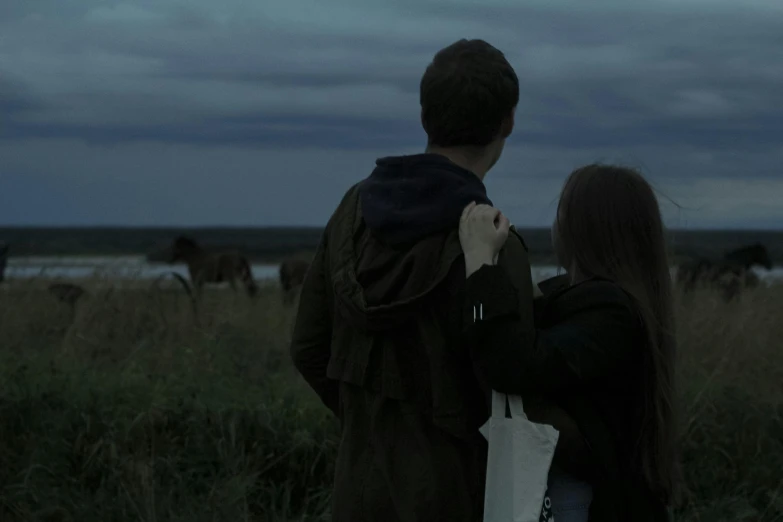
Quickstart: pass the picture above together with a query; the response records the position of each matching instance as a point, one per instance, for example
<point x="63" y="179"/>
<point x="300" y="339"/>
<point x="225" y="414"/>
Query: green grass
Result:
<point x="126" y="409"/>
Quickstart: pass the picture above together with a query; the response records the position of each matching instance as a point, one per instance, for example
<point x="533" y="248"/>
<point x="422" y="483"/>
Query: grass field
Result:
<point x="125" y="409"/>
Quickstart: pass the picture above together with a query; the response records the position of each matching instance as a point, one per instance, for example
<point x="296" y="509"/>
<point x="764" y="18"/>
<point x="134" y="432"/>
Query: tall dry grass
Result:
<point x="124" y="408"/>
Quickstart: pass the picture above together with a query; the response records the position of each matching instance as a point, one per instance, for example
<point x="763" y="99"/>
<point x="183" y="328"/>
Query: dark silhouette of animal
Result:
<point x="3" y="259"/>
<point x="188" y="291"/>
<point x="750" y="256"/>
<point x="69" y="294"/>
<point x="206" y="267"/>
<point x="66" y="292"/>
<point x="730" y="274"/>
<point x="292" y="275"/>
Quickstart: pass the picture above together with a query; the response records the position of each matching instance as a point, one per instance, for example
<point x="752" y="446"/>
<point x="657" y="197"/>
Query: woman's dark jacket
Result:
<point x="587" y="358"/>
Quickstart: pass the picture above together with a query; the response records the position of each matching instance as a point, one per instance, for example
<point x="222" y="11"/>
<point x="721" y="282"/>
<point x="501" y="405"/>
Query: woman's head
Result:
<point x="609" y="225"/>
<point x="607" y="221"/>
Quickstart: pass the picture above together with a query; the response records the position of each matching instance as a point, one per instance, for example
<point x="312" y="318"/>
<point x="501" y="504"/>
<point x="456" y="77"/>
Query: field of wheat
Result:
<point x="125" y="407"/>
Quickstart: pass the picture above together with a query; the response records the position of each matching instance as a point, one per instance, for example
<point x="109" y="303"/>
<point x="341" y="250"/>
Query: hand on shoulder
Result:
<point x="482" y="233"/>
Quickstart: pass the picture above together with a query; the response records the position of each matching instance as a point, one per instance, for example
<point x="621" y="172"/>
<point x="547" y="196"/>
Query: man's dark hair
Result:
<point x="466" y="93"/>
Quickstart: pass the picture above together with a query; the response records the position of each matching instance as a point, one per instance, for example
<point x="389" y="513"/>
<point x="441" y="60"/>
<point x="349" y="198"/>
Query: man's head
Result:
<point x="468" y="95"/>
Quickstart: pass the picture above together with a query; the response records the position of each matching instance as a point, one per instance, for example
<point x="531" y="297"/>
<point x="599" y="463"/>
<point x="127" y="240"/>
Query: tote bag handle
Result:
<point x="499" y="401"/>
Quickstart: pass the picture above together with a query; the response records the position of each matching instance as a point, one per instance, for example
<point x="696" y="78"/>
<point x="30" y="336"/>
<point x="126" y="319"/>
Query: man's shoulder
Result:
<point x="514" y="259"/>
<point x="514" y="235"/>
<point x="515" y="249"/>
<point x="346" y="207"/>
<point x="350" y="195"/>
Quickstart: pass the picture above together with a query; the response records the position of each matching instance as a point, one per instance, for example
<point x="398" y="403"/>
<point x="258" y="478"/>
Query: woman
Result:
<point x="604" y="349"/>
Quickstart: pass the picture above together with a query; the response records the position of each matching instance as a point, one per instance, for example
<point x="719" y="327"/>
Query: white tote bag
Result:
<point x="520" y="454"/>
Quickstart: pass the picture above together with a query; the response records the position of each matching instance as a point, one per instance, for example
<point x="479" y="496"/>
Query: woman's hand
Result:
<point x="482" y="232"/>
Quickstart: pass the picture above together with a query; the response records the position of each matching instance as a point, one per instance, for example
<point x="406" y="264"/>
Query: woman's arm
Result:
<point x="594" y="338"/>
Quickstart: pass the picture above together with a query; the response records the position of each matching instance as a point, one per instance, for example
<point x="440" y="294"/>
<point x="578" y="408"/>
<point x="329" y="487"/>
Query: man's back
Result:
<point x="391" y="274"/>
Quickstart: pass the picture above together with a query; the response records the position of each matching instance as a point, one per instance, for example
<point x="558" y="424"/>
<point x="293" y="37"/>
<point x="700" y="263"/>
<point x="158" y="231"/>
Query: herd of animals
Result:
<point x="729" y="274"/>
<point x="205" y="267"/>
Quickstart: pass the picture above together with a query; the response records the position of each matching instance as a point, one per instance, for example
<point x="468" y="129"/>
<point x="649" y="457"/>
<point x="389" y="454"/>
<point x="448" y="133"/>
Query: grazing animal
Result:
<point x="750" y="256"/>
<point x="188" y="290"/>
<point x="3" y="259"/>
<point x="730" y="274"/>
<point x="213" y="267"/>
<point x="292" y="275"/>
<point x="66" y="292"/>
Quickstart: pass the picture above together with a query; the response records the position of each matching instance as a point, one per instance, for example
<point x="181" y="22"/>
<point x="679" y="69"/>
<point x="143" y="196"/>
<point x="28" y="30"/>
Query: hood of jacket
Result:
<point x="394" y="239"/>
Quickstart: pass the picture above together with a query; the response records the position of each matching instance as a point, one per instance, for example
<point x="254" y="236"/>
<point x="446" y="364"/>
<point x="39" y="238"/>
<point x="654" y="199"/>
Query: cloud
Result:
<point x="634" y="71"/>
<point x="691" y="89"/>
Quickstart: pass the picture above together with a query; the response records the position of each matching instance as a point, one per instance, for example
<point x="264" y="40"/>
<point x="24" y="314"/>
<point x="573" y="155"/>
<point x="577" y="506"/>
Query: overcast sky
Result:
<point x="229" y="112"/>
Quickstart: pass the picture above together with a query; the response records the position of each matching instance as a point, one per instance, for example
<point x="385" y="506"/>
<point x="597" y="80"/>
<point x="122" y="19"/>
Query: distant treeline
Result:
<point x="274" y="243"/>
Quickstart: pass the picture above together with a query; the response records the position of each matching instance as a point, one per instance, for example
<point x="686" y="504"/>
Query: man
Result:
<point x="377" y="334"/>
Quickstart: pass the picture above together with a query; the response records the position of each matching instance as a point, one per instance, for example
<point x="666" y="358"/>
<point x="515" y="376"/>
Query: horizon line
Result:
<point x="314" y="227"/>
